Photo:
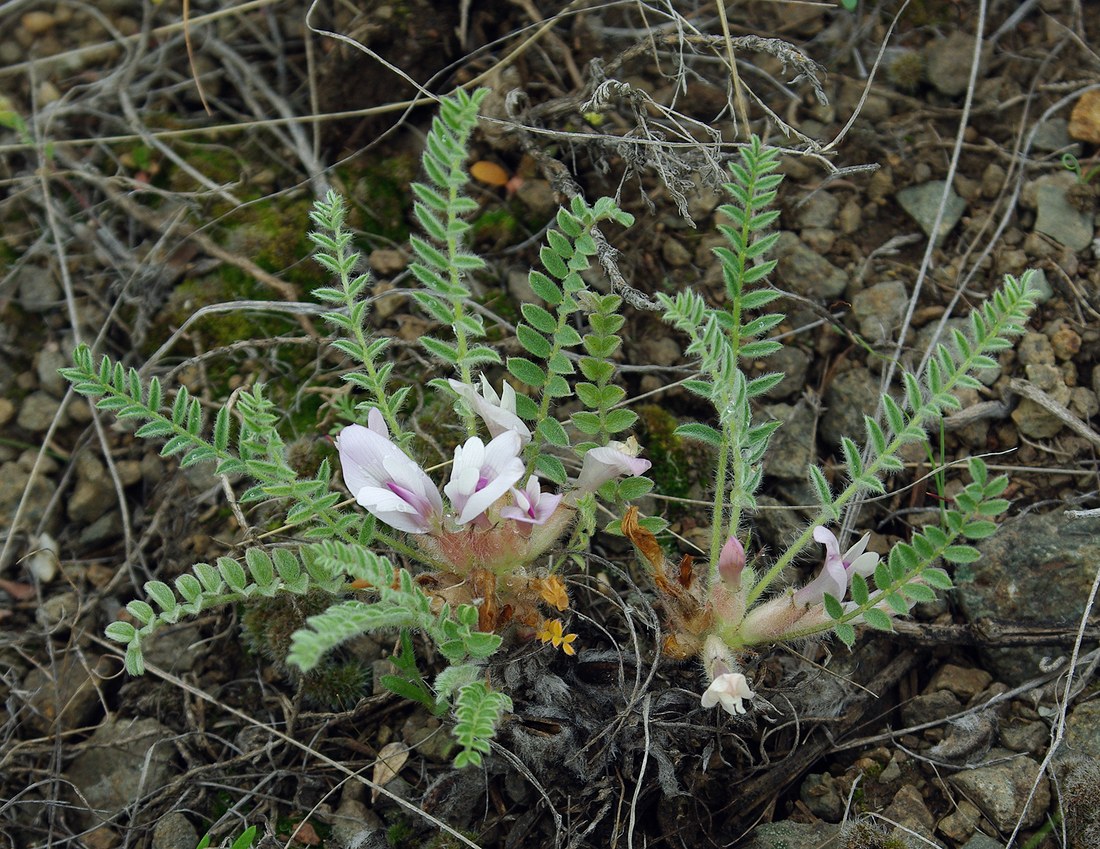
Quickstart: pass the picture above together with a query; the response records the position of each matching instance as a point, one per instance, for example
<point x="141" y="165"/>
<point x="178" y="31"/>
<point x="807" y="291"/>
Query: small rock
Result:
<point x="982" y="841"/>
<point x="174" y="831"/>
<point x="46" y="365"/>
<point x="908" y="811"/>
<point x="18" y="487"/>
<point x="1035" y="421"/>
<point x="659" y="351"/>
<point x="38" y="289"/>
<point x="123" y="760"/>
<point x="823" y="796"/>
<point x="38" y="22"/>
<point x="819" y="240"/>
<point x="792" y="835"/>
<point x="947" y="63"/>
<point x="519" y="287"/>
<point x="42" y="561"/>
<point x="960" y="824"/>
<point x="38" y="412"/>
<point x="880" y="310"/>
<point x="1039" y="283"/>
<point x="930" y="707"/>
<point x="1065" y="342"/>
<point x="386" y="304"/>
<point x="1032" y="738"/>
<point x="1084" y="121"/>
<point x="850" y="218"/>
<point x="964" y="682"/>
<point x="793" y="363"/>
<point x="1001" y="791"/>
<point x="675" y="254"/>
<point x="106" y="528"/>
<point x="59" y="610"/>
<point x="1035" y="349"/>
<point x="792" y="446"/>
<point x="993" y="179"/>
<point x="1061" y="220"/>
<point x="1083" y="731"/>
<point x="387" y="261"/>
<point x="539" y="197"/>
<point x="174" y="649"/>
<point x="7" y="411"/>
<point x="702" y="201"/>
<point x="353" y="823"/>
<point x="1052" y="134"/>
<point x="65" y="697"/>
<point x="850" y="396"/>
<point x="805" y="272"/>
<point x="1046" y="377"/>
<point x="922" y="202"/>
<point x="819" y="210"/>
<point x="94" y="493"/>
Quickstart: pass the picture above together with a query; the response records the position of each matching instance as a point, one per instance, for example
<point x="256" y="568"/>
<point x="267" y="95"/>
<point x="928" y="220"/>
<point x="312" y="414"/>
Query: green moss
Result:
<point x="678" y="464"/>
<point x="496" y="228"/>
<point x="382" y="199"/>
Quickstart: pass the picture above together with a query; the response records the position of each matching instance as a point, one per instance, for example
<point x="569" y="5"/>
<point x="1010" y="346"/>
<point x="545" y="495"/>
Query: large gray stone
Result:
<point x="1035" y="569"/>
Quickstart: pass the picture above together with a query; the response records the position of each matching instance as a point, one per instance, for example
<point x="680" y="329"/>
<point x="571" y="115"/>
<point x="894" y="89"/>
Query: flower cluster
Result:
<point x="714" y="618"/>
<point x="493" y="521"/>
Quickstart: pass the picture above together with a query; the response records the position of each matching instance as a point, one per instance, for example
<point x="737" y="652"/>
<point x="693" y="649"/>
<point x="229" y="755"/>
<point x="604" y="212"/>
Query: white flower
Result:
<point x="483" y="473"/>
<point x="837" y="572"/>
<point x="609" y="461"/>
<point x="728" y="690"/>
<point x="385" y="481"/>
<point x="498" y="412"/>
<point x="533" y="506"/>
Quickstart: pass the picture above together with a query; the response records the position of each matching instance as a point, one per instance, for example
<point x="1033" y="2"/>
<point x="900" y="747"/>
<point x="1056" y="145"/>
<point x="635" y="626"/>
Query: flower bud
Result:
<point x="731" y="561"/>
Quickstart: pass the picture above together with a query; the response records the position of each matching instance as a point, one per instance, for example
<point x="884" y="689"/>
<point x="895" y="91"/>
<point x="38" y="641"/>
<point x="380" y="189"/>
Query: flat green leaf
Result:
<point x="552" y="431"/>
<point x="526" y="371"/>
<point x="878" y="620"/>
<point x="539" y="318"/>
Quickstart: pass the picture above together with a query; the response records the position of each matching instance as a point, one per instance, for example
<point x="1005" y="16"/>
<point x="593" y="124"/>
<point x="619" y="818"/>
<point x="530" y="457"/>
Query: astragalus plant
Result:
<point x="472" y="554"/>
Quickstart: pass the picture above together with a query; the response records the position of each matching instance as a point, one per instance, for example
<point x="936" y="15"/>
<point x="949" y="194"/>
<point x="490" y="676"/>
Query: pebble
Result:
<point x="7" y="411"/>
<point x="1084" y="121"/>
<point x="38" y="412"/>
<point x="1053" y="134"/>
<point x="792" y="446"/>
<point x="909" y="813"/>
<point x="818" y="210"/>
<point x="94" y="493"/>
<point x="930" y="707"/>
<point x="1033" y="738"/>
<point x="46" y="365"/>
<point x="539" y="198"/>
<point x="922" y="202"/>
<point x="1057" y="217"/>
<point x="66" y="696"/>
<point x="659" y="351"/>
<point x="947" y="63"/>
<point x="880" y="310"/>
<point x="964" y="682"/>
<point x="961" y="823"/>
<point x="174" y="831"/>
<point x="819" y="239"/>
<point x="805" y="272"/>
<point x="1083" y="730"/>
<point x="38" y="22"/>
<point x="1065" y="343"/>
<point x="850" y="217"/>
<point x="993" y="179"/>
<point x="850" y="396"/>
<point x="1035" y="349"/>
<point x="123" y="760"/>
<point x="1001" y="791"/>
<point x="823" y="796"/>
<point x="387" y="261"/>
<point x="675" y="254"/>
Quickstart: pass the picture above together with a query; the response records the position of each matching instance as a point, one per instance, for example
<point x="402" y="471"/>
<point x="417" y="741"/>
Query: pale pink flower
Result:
<point x="607" y="462"/>
<point x="728" y="690"/>
<point x="836" y="573"/>
<point x="498" y="412"/>
<point x="385" y="481"/>
<point x="483" y="473"/>
<point x="533" y="506"/>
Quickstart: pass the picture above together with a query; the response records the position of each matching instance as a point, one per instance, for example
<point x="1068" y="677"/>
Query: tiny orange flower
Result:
<point x="551" y="632"/>
<point x="552" y="591"/>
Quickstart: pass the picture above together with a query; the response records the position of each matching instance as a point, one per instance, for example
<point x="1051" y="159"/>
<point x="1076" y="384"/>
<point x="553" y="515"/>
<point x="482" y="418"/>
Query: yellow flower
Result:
<point x="551" y="632"/>
<point x="552" y="591"/>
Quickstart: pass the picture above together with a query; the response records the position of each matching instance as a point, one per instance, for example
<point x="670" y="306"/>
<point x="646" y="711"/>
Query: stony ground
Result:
<point x="145" y="184"/>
